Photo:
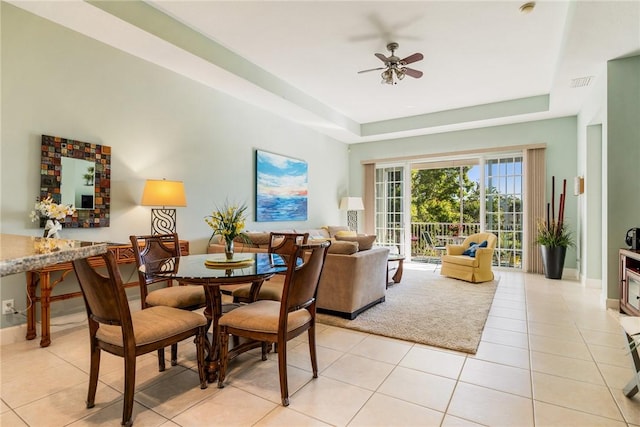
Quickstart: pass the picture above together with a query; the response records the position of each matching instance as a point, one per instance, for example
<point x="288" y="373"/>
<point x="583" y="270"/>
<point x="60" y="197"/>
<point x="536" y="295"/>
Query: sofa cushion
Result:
<point x="343" y="248"/>
<point x="471" y="251"/>
<point x="256" y="239"/>
<point x="316" y="233"/>
<point x="365" y="242"/>
<point x="333" y="229"/>
<point x="345" y="233"/>
<point x="463" y="260"/>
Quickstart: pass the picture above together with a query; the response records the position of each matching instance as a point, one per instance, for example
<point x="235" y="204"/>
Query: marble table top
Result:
<point x="23" y="253"/>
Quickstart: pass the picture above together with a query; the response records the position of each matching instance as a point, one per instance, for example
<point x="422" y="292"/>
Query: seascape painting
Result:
<point x="281" y="188"/>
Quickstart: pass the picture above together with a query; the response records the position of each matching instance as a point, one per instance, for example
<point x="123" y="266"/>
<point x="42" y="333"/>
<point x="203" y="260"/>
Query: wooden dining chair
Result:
<point x="113" y="328"/>
<point x="272" y="288"/>
<point x="277" y="322"/>
<point x="151" y="248"/>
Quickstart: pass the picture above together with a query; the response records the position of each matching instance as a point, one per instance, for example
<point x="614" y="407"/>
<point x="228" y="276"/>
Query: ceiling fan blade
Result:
<point x="413" y="73"/>
<point x="382" y="58"/>
<point x="412" y="58"/>
<point x="371" y="69"/>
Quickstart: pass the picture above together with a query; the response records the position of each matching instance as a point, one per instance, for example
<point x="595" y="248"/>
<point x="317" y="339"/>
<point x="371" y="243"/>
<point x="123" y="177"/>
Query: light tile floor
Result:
<point x="550" y="355"/>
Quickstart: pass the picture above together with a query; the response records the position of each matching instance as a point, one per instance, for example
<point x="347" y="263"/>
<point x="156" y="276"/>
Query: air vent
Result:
<point x="581" y="81"/>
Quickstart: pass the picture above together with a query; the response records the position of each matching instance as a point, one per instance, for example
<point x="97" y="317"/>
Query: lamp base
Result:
<point x="163" y="221"/>
<point x="352" y="220"/>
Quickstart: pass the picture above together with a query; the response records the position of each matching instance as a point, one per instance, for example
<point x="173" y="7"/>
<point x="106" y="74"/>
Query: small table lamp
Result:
<point x="352" y="205"/>
<point x="163" y="193"/>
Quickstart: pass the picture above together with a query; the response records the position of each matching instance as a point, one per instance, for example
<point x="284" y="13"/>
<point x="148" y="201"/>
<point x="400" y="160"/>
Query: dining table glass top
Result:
<point x="215" y="267"/>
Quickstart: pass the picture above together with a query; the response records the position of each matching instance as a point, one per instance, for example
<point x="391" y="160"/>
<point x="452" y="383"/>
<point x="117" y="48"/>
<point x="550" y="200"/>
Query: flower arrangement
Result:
<point x="228" y="223"/>
<point x="48" y="209"/>
<point x="553" y="231"/>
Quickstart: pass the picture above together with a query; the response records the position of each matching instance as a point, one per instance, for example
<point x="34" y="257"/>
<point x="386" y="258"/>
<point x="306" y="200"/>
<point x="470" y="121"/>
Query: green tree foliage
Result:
<point x="436" y="196"/>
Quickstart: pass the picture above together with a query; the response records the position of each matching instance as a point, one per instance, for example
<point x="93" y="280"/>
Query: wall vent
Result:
<point x="581" y="81"/>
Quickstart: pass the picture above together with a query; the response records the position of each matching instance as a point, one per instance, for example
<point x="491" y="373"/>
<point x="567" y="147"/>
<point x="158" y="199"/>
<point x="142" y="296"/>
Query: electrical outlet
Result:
<point x="8" y="307"/>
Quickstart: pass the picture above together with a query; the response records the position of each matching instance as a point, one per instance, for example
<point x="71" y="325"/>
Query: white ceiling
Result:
<point x="300" y="59"/>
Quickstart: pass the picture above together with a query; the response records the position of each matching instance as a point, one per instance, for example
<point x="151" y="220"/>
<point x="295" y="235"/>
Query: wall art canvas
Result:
<point x="281" y="188"/>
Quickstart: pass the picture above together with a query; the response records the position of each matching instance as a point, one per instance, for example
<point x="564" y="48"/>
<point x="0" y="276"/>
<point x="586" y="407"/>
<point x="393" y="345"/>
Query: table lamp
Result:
<point x="163" y="193"/>
<point x="352" y="205"/>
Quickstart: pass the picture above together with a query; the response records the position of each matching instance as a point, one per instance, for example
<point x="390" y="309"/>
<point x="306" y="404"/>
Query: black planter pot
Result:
<point x="553" y="260"/>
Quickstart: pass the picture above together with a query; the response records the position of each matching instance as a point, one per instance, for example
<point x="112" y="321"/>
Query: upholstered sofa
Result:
<point x="474" y="265"/>
<point x="354" y="277"/>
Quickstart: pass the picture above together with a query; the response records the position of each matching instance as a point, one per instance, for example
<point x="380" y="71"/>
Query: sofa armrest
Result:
<point x="352" y="282"/>
<point x="455" y="249"/>
<point x="484" y="256"/>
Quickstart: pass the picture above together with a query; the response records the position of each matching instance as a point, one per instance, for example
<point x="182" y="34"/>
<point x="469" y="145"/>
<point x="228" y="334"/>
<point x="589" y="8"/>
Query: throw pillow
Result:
<point x="471" y="251"/>
<point x="365" y="242"/>
<point x="333" y="229"/>
<point x="345" y="233"/>
<point x="343" y="248"/>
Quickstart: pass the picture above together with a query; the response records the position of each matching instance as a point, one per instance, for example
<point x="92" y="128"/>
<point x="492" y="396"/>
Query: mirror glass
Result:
<point x="77" y="173"/>
<point x="76" y="183"/>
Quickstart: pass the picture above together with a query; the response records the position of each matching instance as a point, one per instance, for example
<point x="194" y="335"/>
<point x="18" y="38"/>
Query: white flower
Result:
<point x="47" y="209"/>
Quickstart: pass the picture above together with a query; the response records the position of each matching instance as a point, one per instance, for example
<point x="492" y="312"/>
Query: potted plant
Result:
<point x="553" y="236"/>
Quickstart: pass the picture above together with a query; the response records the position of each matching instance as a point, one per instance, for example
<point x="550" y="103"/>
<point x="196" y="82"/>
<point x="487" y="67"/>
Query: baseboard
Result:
<point x="613" y="304"/>
<point x="13" y="334"/>
<point x="570" y="274"/>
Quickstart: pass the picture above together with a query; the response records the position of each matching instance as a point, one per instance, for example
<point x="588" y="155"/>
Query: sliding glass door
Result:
<point x="504" y="208"/>
<point x="439" y="201"/>
<point x="390" y="211"/>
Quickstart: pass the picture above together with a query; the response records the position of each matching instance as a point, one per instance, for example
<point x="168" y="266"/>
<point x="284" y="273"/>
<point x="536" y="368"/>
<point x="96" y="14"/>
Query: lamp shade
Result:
<point x="163" y="193"/>
<point x="351" y="204"/>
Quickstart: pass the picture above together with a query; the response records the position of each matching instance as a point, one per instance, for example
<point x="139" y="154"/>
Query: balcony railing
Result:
<point x="440" y="233"/>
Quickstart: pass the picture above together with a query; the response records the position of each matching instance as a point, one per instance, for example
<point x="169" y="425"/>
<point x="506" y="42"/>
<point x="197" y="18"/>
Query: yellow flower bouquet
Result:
<point x="228" y="223"/>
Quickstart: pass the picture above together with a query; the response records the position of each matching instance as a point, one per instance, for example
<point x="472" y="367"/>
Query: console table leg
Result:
<point x="32" y="283"/>
<point x="45" y="310"/>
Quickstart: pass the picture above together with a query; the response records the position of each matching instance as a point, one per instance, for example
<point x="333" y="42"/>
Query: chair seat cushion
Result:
<point x="461" y="260"/>
<point x="177" y="296"/>
<point x="270" y="290"/>
<point x="262" y="316"/>
<point x="153" y="324"/>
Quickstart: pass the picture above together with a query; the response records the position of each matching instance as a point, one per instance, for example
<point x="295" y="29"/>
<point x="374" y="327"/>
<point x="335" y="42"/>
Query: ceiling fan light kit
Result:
<point x="394" y="66"/>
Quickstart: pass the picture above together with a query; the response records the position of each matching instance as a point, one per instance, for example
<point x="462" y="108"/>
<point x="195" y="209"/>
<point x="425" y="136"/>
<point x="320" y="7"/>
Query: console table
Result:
<point x="43" y="277"/>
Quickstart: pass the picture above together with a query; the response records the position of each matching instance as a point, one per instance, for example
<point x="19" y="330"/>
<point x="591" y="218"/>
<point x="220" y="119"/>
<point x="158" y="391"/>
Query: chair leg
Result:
<point x="312" y="351"/>
<point x="224" y="354"/>
<point x="265" y="349"/>
<point x="161" y="365"/>
<point x="129" y="388"/>
<point x="93" y="375"/>
<point x="282" y="369"/>
<point x="174" y="354"/>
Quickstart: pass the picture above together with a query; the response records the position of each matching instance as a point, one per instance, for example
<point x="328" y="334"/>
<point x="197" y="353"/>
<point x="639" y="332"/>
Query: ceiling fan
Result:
<point x="394" y="65"/>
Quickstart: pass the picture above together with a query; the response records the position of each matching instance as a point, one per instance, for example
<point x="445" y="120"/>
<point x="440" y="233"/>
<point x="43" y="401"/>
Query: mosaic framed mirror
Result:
<point x="77" y="173"/>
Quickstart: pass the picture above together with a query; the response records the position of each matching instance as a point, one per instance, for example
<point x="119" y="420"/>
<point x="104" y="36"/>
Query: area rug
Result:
<point x="429" y="309"/>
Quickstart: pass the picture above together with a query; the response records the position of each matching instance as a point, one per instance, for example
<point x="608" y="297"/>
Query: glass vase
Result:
<point x="228" y="249"/>
<point x="51" y="228"/>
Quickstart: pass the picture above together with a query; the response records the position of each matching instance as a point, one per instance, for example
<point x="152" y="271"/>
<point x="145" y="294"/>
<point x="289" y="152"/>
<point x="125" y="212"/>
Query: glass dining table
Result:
<point x="212" y="271"/>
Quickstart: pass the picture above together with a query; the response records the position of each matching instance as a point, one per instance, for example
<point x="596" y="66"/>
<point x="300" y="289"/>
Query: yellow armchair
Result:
<point x="472" y="269"/>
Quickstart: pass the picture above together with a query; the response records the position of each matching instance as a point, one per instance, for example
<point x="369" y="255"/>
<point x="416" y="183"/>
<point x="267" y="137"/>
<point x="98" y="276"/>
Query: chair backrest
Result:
<point x="277" y="239"/>
<point x="151" y="248"/>
<point x="427" y="237"/>
<point x="479" y="238"/>
<point x="301" y="282"/>
<point x="104" y="296"/>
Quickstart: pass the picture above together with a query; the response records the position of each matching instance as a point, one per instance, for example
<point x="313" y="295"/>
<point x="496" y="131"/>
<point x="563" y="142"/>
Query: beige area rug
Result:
<point x="429" y="309"/>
